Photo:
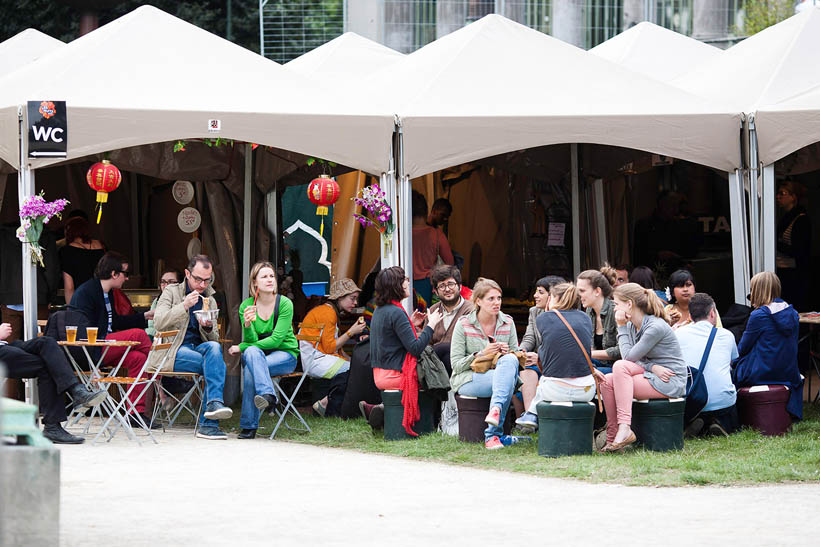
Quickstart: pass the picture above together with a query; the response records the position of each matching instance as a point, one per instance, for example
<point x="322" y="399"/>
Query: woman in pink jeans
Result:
<point x="652" y="366"/>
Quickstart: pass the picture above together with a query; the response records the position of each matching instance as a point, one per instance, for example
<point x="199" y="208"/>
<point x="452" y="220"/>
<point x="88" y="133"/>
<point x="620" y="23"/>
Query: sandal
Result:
<point x="617" y="447"/>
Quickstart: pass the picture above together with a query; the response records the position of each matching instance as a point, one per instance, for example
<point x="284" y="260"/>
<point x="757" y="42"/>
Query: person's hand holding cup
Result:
<point x="249" y="315"/>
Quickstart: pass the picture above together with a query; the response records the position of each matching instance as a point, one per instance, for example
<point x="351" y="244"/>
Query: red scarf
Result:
<point x="409" y="385"/>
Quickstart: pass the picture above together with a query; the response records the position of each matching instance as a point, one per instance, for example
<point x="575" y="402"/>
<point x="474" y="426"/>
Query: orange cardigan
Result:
<point x="326" y="315"/>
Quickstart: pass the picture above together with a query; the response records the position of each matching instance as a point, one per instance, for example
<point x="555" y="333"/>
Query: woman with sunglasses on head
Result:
<point x="486" y="332"/>
<point x="651" y="367"/>
<point x="680" y="291"/>
<point x="595" y="288"/>
<point x="269" y="347"/>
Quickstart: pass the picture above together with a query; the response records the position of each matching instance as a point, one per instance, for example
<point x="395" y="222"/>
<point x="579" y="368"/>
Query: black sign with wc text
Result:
<point x="47" y="129"/>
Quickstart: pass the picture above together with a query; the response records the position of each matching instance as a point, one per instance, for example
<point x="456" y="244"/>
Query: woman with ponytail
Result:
<point x="652" y="365"/>
<point x="566" y="374"/>
<point x="595" y="289"/>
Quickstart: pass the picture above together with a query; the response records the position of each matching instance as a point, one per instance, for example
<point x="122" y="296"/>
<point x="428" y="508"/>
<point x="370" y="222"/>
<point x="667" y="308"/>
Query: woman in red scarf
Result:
<point x="395" y="341"/>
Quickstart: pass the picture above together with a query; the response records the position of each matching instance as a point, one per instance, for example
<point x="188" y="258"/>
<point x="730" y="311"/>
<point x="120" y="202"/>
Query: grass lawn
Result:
<point x="744" y="458"/>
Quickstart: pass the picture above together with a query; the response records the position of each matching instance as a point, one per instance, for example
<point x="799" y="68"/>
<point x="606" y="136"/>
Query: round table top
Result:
<point x="100" y="343"/>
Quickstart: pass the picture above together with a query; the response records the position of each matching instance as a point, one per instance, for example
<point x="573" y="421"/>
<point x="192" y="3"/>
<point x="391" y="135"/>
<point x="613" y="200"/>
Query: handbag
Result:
<point x="696" y="391"/>
<point x="483" y="363"/>
<point x="586" y="355"/>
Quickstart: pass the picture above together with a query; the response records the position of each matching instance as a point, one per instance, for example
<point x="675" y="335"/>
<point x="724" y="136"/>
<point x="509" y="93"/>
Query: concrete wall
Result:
<point x="568" y="21"/>
<point x="710" y="19"/>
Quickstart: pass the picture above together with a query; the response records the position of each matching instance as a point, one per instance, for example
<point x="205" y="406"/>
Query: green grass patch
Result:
<point x="742" y="459"/>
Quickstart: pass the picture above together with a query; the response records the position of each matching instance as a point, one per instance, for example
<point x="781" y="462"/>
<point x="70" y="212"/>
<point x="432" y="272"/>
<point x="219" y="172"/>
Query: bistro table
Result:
<point x="91" y="379"/>
<point x="812" y="319"/>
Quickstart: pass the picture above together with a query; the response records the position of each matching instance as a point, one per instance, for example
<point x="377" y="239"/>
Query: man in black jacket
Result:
<point x="95" y="300"/>
<point x="43" y="359"/>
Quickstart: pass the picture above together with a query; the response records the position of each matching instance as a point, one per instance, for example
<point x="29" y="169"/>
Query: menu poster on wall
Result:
<point x="555" y="237"/>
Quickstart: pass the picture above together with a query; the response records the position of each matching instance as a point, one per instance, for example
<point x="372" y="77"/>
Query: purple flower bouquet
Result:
<point x="34" y="213"/>
<point x="376" y="212"/>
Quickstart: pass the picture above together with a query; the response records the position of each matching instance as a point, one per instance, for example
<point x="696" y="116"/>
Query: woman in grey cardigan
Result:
<point x="531" y="342"/>
<point x="652" y="365"/>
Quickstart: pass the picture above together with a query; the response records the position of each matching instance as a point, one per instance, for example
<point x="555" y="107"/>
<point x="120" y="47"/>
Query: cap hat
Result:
<point x="342" y="287"/>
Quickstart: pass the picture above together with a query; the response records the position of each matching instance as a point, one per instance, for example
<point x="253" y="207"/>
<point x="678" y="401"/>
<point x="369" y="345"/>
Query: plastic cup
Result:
<point x="71" y="334"/>
<point x="92" y="334"/>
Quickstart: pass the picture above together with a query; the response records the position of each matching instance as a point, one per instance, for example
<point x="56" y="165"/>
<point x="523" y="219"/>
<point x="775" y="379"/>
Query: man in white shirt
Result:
<point x="719" y="416"/>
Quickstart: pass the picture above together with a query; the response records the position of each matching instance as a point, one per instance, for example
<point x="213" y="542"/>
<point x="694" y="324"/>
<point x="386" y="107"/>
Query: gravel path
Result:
<point x="188" y="491"/>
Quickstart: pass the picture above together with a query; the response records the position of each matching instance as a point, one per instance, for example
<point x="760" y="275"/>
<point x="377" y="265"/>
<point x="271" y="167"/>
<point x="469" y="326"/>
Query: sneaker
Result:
<point x="266" y="401"/>
<point x="217" y="411"/>
<point x="211" y="432"/>
<point x="56" y="434"/>
<point x="319" y="408"/>
<point x="508" y="440"/>
<point x="717" y="430"/>
<point x="494" y="416"/>
<point x="493" y="443"/>
<point x="527" y="422"/>
<point x="694" y="428"/>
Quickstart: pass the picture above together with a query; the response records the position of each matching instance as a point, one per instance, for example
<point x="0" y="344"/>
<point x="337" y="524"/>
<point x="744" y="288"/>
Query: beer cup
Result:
<point x="92" y="334"/>
<point x="71" y="334"/>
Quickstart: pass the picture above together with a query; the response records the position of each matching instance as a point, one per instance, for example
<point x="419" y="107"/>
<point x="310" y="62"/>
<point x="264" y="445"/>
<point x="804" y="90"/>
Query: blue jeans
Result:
<point x="205" y="359"/>
<point x="603" y="366"/>
<point x="258" y="370"/>
<point x="498" y="384"/>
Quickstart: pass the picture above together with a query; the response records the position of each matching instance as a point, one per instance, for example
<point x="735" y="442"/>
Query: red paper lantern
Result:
<point x="323" y="192"/>
<point x="103" y="177"/>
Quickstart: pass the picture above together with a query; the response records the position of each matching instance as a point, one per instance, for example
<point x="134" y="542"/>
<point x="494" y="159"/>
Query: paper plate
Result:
<point x="183" y="192"/>
<point x="194" y="247"/>
<point x="189" y="220"/>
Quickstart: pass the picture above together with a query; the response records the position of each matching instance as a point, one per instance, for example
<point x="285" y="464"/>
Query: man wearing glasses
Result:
<point x="95" y="300"/>
<point x="196" y="347"/>
<point x="446" y="282"/>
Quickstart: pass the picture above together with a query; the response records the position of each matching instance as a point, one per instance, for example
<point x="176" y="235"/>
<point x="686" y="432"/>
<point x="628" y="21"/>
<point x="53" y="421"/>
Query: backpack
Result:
<point x="55" y="328"/>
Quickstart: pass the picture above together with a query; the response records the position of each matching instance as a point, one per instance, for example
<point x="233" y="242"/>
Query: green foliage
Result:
<point x="760" y="14"/>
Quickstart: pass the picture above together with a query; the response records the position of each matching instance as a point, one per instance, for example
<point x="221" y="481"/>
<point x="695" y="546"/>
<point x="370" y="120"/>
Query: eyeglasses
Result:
<point x="167" y="281"/>
<point x="448" y="286"/>
<point x="124" y="272"/>
<point x="199" y="280"/>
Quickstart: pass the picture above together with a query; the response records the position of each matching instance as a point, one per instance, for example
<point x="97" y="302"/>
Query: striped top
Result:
<point x="469" y="339"/>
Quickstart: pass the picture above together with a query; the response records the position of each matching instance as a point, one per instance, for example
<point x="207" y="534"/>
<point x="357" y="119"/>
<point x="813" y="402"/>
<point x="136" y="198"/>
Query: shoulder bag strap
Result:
<point x="586" y="355"/>
<point x="276" y="309"/>
<point x="707" y="350"/>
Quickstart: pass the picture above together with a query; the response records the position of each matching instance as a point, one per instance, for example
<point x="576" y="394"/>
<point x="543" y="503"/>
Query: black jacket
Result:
<point x="11" y="268"/>
<point x="392" y="338"/>
<point x="89" y="299"/>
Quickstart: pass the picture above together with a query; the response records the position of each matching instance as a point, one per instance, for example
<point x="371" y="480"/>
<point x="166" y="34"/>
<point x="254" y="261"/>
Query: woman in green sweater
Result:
<point x="269" y="347"/>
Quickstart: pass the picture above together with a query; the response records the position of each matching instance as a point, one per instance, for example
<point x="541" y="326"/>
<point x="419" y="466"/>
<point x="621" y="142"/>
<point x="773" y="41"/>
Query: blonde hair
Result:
<point x="565" y="296"/>
<point x="765" y="288"/>
<point x="255" y="271"/>
<point x="644" y="299"/>
<point x="603" y="279"/>
<point x="482" y="287"/>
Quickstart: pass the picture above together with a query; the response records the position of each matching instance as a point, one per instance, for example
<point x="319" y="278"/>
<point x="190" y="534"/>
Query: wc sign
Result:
<point x="47" y="129"/>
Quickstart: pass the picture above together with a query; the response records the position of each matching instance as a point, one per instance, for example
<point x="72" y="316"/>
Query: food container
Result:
<point x="207" y="315"/>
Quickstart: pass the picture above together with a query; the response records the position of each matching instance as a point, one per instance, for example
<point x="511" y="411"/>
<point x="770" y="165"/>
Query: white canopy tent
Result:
<point x="149" y="77"/>
<point x="776" y="71"/>
<point x="496" y="86"/>
<point x="345" y="59"/>
<point x="655" y="51"/>
<point x="24" y="47"/>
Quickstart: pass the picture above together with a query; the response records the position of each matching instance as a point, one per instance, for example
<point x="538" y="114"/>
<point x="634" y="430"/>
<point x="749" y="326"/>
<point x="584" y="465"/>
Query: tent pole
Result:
<point x="754" y="201"/>
<point x="406" y="219"/>
<point x="767" y="228"/>
<point x="600" y="219"/>
<point x="246" y="219"/>
<point x="25" y="189"/>
<point x="576" y="212"/>
<point x="740" y="258"/>
<point x="390" y="255"/>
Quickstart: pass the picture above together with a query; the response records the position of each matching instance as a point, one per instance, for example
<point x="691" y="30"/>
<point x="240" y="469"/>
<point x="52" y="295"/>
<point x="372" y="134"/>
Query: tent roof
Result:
<point x="655" y="51"/>
<point x="24" y="47"/>
<point x="495" y="86"/>
<point x="775" y="64"/>
<point x="346" y="58"/>
<point x="788" y="110"/>
<point x="150" y="77"/>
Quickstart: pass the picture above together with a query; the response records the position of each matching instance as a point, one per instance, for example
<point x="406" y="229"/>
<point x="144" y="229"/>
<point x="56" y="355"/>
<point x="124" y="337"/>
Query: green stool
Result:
<point x="20" y="419"/>
<point x="658" y="423"/>
<point x="394" y="412"/>
<point x="565" y="428"/>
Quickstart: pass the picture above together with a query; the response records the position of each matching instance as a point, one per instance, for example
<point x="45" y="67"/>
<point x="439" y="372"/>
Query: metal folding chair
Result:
<point x="167" y="414"/>
<point x="125" y="403"/>
<point x="288" y="400"/>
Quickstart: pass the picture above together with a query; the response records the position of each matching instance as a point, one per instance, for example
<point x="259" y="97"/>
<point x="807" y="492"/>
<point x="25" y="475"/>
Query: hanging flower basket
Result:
<point x="376" y="212"/>
<point x="34" y="214"/>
